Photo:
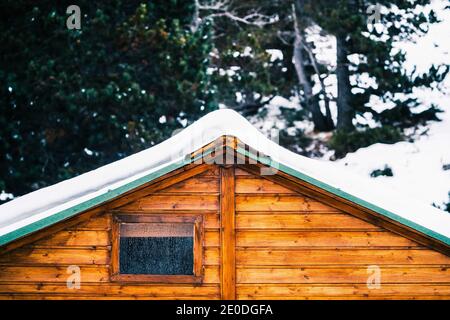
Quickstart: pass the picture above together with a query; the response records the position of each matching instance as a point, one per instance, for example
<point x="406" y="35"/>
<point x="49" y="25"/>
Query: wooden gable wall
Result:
<point x="39" y="270"/>
<point x="288" y="246"/>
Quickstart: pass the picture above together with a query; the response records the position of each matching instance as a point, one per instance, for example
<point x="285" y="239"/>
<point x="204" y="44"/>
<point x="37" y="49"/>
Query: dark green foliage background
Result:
<point x="344" y="142"/>
<point x="386" y="171"/>
<point x="103" y="87"/>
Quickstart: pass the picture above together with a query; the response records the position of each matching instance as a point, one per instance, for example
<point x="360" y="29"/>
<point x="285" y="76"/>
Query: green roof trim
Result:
<point x="288" y="170"/>
<point x="101" y="199"/>
<point x="114" y="193"/>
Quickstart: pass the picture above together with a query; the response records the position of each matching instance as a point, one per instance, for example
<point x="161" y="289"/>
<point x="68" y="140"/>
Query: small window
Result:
<point x="157" y="248"/>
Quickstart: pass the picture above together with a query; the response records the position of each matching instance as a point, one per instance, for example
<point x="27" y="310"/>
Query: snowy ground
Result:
<point x="418" y="167"/>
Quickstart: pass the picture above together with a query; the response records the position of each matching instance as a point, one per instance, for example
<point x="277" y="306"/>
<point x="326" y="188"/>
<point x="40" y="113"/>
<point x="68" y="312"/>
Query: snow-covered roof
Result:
<point x="49" y="205"/>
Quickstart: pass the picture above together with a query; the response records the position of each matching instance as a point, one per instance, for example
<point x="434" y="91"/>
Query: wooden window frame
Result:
<point x="196" y="220"/>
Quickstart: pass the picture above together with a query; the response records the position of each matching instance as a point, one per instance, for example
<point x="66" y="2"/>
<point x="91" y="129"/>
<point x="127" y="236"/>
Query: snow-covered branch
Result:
<point x="224" y="8"/>
<point x="215" y="5"/>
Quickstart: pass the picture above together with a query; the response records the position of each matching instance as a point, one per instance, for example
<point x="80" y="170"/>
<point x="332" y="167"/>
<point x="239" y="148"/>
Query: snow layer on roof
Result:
<point x="45" y="202"/>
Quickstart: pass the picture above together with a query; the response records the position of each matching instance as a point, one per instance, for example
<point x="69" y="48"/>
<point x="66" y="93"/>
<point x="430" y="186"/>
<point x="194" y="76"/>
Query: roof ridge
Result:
<point x="109" y="180"/>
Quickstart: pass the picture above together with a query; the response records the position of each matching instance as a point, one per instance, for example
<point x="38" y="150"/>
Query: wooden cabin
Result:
<point x="248" y="226"/>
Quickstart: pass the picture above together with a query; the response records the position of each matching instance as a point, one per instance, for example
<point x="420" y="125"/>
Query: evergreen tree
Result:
<point x="239" y="26"/>
<point x="243" y="69"/>
<point x="72" y="100"/>
<point x="348" y="21"/>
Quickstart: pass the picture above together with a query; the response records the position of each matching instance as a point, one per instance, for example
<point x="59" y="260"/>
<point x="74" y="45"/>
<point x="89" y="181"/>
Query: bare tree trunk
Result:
<point x="328" y="117"/>
<point x="196" y="16"/>
<point x="311" y="102"/>
<point x="345" y="110"/>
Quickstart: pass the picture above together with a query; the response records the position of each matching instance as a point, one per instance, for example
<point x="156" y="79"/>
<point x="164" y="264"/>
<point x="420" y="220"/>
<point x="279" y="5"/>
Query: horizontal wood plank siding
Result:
<point x="52" y="273"/>
<point x="342" y="274"/>
<point x="301" y="257"/>
<point x="209" y="291"/>
<point x="176" y="202"/>
<point x="100" y="223"/>
<point x="289" y="246"/>
<point x="301" y="221"/>
<point x="253" y="185"/>
<point x="89" y="274"/>
<point x="100" y="297"/>
<point x="55" y="256"/>
<point x="277" y="202"/>
<point x="194" y="185"/>
<point x="331" y="239"/>
<point x="39" y="270"/>
<point x="342" y="291"/>
<point x="78" y="238"/>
